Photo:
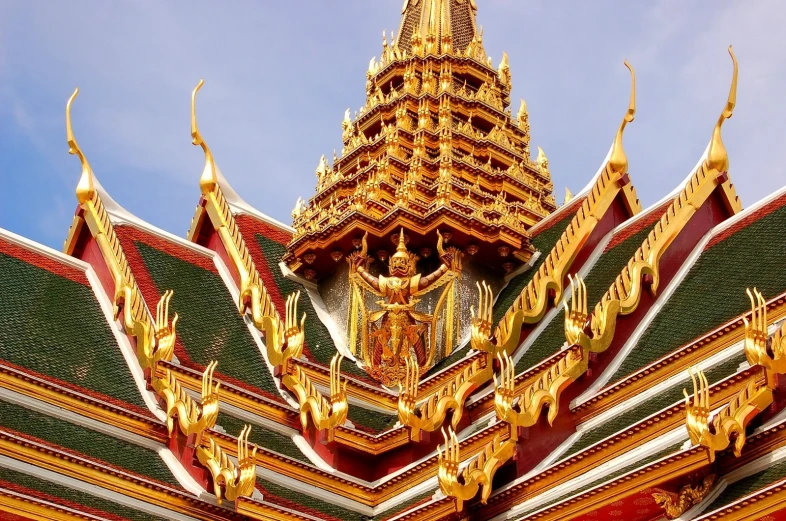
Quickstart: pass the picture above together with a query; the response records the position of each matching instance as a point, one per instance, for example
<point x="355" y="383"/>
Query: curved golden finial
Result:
<point x="85" y="189"/>
<point x="619" y="161"/>
<point x="209" y="179"/>
<point x="717" y="157"/>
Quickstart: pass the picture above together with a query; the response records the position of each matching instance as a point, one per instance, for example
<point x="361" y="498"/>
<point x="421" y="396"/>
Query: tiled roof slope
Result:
<point x="267" y="245"/>
<point x="51" y="325"/>
<point x="638" y="463"/>
<point x="48" y="491"/>
<point x="666" y="398"/>
<point x="85" y="442"/>
<point x="210" y="328"/>
<point x="749" y="485"/>
<point x="749" y="254"/>
<point x="618" y="251"/>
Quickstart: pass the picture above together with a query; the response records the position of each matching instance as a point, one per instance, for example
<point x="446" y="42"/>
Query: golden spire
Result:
<point x="401" y="249"/>
<point x="618" y="160"/>
<point x="568" y="195"/>
<point x="717" y="157"/>
<point x="543" y="162"/>
<point x="209" y="178"/>
<point x="439" y="18"/>
<point x="85" y="189"/>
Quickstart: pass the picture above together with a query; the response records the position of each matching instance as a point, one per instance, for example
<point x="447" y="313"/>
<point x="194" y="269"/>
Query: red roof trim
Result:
<point x="43" y="496"/>
<point x="645" y="221"/>
<point x="557" y="215"/>
<point x="762" y="212"/>
<point x="64" y="451"/>
<point x="39" y="260"/>
<point x="82" y="390"/>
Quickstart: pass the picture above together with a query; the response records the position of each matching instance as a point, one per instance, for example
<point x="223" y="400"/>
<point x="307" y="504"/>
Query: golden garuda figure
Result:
<point x="397" y="331"/>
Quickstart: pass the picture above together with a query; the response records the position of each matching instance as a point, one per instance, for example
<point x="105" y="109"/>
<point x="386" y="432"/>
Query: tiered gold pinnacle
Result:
<point x="434" y="147"/>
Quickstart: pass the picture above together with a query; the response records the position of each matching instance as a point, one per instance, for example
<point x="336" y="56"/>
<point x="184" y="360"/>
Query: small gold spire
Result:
<point x="209" y="178"/>
<point x="568" y="195"/>
<point x="619" y="161"/>
<point x="85" y="189"/>
<point x="717" y="157"/>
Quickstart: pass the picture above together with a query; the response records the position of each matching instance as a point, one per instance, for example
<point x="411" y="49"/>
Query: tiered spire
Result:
<point x="441" y="24"/>
<point x="435" y="146"/>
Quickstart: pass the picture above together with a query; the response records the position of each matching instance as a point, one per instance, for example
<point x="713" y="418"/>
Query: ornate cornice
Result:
<point x="675" y="362"/>
<point x="107" y="477"/>
<point x="38" y="388"/>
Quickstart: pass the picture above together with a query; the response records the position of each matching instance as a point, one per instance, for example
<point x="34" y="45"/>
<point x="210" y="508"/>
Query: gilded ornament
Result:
<point x="230" y="481"/>
<point x="716" y="432"/>
<point x="674" y="505"/>
<point x="397" y="330"/>
<point x="717" y="157"/>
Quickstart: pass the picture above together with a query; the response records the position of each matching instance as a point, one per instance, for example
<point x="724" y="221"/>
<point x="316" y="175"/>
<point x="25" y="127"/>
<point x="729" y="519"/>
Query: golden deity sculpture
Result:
<point x="397" y="331"/>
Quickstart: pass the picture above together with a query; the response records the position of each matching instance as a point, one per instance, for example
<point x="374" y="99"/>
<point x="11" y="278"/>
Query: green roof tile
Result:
<point x="609" y="477"/>
<point x="749" y="485"/>
<point x="667" y="398"/>
<point x="210" y="326"/>
<point x="89" y="443"/>
<point x="73" y="496"/>
<point x="263" y="437"/>
<point x="598" y="280"/>
<point x="713" y="291"/>
<point x="309" y="502"/>
<point x="54" y="326"/>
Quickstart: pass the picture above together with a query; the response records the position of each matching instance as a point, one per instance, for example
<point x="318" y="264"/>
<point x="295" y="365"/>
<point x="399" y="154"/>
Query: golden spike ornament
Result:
<point x="545" y="391"/>
<point x="254" y="297"/>
<point x="85" y="189"/>
<point x="756" y="330"/>
<point x="717" y="157"/>
<point x="165" y="331"/>
<point x="325" y="413"/>
<point x="230" y="481"/>
<point x="450" y="397"/>
<point x="717" y="432"/>
<point x="478" y="475"/>
<point x="618" y="160"/>
<point x="192" y="418"/>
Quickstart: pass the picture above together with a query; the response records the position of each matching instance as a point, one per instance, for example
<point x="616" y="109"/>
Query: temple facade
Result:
<point x="433" y="337"/>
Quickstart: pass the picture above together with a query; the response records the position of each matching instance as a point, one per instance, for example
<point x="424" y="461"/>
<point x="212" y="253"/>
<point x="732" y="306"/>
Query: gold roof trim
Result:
<point x="154" y="341"/>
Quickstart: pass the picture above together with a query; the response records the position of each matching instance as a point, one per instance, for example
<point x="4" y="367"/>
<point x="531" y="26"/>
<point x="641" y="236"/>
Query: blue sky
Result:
<point x="279" y="75"/>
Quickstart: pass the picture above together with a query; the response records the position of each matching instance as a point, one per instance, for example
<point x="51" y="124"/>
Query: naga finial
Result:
<point x="85" y="189"/>
<point x="619" y="161"/>
<point x="209" y="179"/>
<point x="717" y="157"/>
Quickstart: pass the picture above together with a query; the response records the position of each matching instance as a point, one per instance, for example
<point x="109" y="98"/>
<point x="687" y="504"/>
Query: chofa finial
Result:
<point x="209" y="178"/>
<point x="85" y="189"/>
<point x="717" y="157"/>
<point x="619" y="161"/>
